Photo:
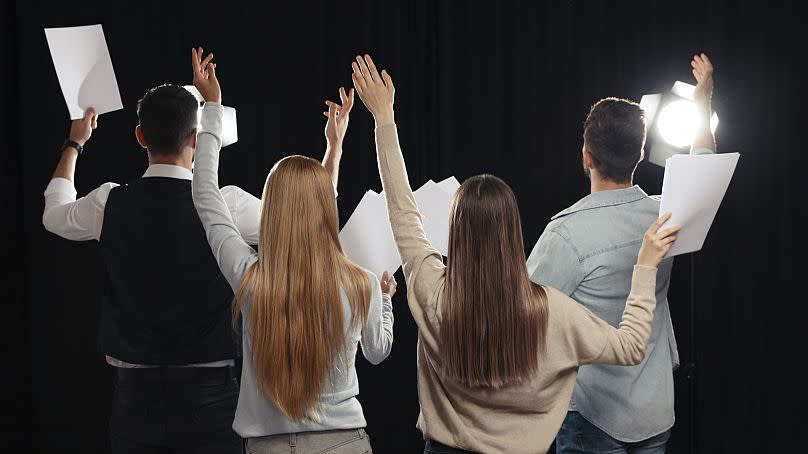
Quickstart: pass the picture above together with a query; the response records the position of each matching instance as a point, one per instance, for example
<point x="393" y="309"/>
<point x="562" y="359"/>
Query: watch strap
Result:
<point x="72" y="143"/>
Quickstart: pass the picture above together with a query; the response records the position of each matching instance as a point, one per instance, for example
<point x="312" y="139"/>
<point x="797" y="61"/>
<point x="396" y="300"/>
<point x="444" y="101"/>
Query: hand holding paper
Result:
<point x="82" y="129"/>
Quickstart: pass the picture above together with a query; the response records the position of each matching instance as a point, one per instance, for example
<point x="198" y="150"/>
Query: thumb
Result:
<point x="212" y="70"/>
<point x="385" y="276"/>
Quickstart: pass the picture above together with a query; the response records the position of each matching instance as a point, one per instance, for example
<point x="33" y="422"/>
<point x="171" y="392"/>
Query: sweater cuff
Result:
<point x="644" y="280"/>
<point x="211" y="119"/>
<point x="387" y="136"/>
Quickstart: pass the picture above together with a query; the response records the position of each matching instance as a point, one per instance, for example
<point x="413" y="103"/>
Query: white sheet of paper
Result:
<point x="84" y="69"/>
<point x="367" y="239"/>
<point x="229" y="125"/>
<point x="434" y="203"/>
<point x="692" y="190"/>
<point x="449" y="185"/>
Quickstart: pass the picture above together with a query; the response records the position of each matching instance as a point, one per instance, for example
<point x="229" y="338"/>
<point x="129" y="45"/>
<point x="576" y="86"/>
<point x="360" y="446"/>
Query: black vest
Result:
<point x="166" y="300"/>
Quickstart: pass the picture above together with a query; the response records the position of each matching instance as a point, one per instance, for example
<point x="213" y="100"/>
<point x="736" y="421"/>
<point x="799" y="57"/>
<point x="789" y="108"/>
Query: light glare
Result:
<point x="678" y="122"/>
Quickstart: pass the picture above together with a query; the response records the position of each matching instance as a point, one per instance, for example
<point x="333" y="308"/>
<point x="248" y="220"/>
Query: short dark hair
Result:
<point x="614" y="135"/>
<point x="168" y="116"/>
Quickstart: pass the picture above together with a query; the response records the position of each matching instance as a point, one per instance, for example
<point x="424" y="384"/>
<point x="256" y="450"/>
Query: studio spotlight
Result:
<point x="672" y="119"/>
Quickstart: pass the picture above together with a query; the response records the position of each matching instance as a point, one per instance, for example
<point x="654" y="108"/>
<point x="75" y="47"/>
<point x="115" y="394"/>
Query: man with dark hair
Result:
<point x="587" y="251"/>
<point x="165" y="322"/>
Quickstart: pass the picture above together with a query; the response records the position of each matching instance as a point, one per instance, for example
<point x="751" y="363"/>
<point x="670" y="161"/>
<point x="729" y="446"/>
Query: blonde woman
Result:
<point x="497" y="354"/>
<point x="305" y="306"/>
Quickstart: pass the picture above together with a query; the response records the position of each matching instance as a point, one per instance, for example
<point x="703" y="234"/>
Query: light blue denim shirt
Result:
<point x="588" y="251"/>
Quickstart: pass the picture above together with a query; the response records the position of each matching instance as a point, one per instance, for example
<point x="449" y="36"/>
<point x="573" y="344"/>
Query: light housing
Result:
<point x="671" y="120"/>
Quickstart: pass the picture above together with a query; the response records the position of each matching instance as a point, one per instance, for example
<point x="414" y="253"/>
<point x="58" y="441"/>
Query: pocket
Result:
<point x="357" y="444"/>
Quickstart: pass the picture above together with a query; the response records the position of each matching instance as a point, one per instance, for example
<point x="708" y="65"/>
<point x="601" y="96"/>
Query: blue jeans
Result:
<point x="579" y="436"/>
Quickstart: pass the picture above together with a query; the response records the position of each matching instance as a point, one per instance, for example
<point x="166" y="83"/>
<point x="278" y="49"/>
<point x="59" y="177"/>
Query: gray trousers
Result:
<point x="351" y="441"/>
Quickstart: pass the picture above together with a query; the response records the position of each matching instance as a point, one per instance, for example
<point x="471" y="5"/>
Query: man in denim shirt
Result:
<point x="588" y="251"/>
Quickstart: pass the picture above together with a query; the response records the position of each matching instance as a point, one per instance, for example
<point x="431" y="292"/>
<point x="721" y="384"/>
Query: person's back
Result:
<point x="497" y="355"/>
<point x="587" y="252"/>
<point x="165" y="323"/>
<point x="305" y="306"/>
<point x="337" y="405"/>
<point x="167" y="302"/>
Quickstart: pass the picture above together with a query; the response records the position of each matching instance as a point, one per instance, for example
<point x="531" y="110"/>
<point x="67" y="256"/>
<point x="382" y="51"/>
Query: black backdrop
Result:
<point x="500" y="88"/>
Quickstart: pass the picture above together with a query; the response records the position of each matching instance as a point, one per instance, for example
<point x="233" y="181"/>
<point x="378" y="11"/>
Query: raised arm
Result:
<point x="597" y="342"/>
<point x="418" y="257"/>
<point x="81" y="219"/>
<point x="335" y="129"/>
<point x="232" y="253"/>
<point x="704" y="140"/>
<point x="377" y="335"/>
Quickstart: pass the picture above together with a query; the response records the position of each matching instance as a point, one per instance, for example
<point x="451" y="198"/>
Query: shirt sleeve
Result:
<point x="422" y="263"/>
<point x="246" y="211"/>
<point x="596" y="342"/>
<point x="232" y="253"/>
<point x="377" y="335"/>
<point x="77" y="220"/>
<point x="554" y="262"/>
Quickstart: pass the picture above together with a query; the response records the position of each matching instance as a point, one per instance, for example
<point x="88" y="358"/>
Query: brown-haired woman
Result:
<point x="497" y="355"/>
<point x="305" y="306"/>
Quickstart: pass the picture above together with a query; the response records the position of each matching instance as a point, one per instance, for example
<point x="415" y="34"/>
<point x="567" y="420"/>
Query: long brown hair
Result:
<point x="295" y="316"/>
<point x="494" y="320"/>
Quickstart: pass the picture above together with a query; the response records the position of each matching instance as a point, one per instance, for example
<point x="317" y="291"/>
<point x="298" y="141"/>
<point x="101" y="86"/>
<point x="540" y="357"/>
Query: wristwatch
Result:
<point x="72" y="143"/>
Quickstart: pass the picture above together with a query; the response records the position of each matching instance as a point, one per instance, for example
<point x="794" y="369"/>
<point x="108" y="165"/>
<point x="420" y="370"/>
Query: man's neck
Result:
<point x="181" y="160"/>
<point x="599" y="185"/>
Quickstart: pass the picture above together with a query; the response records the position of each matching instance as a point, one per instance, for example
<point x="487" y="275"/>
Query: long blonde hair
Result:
<point x="296" y="316"/>
<point x="494" y="320"/>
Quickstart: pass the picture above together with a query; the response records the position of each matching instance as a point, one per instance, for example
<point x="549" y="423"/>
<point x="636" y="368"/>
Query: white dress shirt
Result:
<point x="83" y="219"/>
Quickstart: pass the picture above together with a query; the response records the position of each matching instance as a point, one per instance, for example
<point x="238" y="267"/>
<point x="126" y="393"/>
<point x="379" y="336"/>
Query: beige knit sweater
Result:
<point x="519" y="418"/>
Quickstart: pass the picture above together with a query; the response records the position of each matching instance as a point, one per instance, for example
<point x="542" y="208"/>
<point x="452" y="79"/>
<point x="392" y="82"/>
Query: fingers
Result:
<point x="211" y="69"/>
<point x="347" y="101"/>
<point x="388" y="81"/>
<point x="358" y="80"/>
<point x="385" y="277"/>
<point x="195" y="61"/>
<point x="363" y="67"/>
<point x="668" y="231"/>
<point x="207" y="60"/>
<point x="658" y="223"/>
<point x="332" y="110"/>
<point x="372" y="68"/>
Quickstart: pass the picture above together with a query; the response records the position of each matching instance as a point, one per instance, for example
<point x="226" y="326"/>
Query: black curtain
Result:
<point x="494" y="87"/>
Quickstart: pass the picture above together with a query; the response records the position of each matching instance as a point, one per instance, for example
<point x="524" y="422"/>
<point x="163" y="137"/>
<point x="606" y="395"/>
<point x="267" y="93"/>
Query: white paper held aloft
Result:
<point x="84" y="69"/>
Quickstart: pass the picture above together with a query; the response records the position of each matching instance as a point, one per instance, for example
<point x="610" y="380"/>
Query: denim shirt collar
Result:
<point x="605" y="198"/>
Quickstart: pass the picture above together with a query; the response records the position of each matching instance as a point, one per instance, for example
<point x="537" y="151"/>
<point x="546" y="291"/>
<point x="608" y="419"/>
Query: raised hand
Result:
<point x="657" y="243"/>
<point x="338" y="116"/>
<point x="389" y="284"/>
<point x="703" y="72"/>
<point x="205" y="76"/>
<point x="375" y="90"/>
<point x="82" y="129"/>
